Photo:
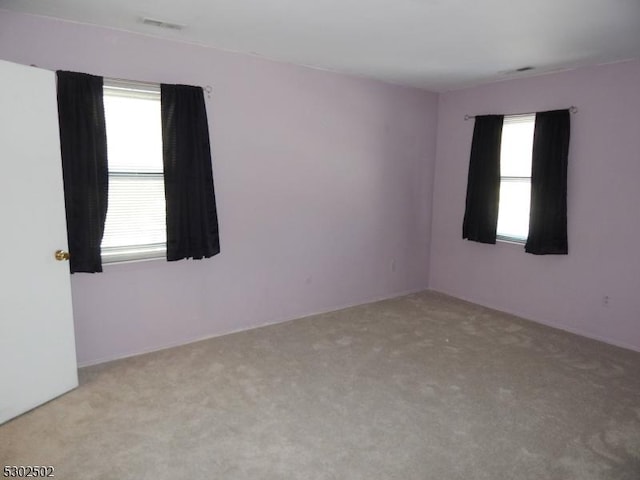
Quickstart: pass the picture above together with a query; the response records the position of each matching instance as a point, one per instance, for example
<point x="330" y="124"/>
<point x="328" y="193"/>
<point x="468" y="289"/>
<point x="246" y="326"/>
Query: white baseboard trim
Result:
<point x="548" y="323"/>
<point x="187" y="341"/>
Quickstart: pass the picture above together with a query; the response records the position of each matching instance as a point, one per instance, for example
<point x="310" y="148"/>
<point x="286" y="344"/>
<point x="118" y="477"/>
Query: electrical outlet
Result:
<point x="605" y="300"/>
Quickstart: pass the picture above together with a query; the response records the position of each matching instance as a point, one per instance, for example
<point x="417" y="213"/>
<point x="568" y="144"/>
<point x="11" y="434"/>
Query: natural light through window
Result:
<point x="515" y="177"/>
<point x="136" y="222"/>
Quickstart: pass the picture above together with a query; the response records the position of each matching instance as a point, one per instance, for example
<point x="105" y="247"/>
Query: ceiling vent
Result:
<point x="515" y="71"/>
<point x="154" y="22"/>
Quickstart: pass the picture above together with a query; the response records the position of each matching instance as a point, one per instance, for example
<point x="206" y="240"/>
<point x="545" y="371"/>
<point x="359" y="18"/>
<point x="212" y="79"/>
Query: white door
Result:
<point x="37" y="345"/>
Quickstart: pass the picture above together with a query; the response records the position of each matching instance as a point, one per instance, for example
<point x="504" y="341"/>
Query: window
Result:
<point x="515" y="177"/>
<point x="135" y="227"/>
<point x="517" y="181"/>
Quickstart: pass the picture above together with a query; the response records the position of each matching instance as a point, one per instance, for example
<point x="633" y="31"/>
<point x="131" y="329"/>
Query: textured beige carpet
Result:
<point x="419" y="387"/>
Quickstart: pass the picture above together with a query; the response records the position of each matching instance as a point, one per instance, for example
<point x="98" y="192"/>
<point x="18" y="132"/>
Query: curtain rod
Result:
<point x="572" y="109"/>
<point x="207" y="88"/>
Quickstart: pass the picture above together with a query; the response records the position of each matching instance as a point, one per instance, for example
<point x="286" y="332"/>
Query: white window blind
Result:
<point x="135" y="227"/>
<point x="515" y="177"/>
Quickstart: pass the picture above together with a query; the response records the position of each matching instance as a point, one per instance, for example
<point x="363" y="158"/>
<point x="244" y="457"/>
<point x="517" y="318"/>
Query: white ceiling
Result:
<point x="433" y="44"/>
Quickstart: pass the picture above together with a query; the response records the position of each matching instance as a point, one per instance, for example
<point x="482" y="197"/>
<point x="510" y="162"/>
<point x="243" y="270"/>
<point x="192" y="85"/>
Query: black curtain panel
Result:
<point x="483" y="184"/>
<point x="192" y="219"/>
<point x="548" y="214"/>
<point x="83" y="143"/>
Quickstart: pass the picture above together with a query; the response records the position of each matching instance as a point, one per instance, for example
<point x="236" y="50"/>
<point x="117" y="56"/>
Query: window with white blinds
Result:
<point x="135" y="227"/>
<point x="515" y="177"/>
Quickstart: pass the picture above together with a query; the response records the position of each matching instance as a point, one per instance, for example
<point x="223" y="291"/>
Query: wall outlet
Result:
<point x="605" y="300"/>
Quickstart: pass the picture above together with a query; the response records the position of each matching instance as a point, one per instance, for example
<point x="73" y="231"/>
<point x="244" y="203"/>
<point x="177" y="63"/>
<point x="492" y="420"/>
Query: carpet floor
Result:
<point x="419" y="387"/>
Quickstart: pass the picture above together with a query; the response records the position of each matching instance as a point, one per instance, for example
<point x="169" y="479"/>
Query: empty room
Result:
<point x="320" y="240"/>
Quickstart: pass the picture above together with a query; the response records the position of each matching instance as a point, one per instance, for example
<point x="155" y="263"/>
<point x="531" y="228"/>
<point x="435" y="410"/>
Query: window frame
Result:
<point x="514" y="179"/>
<point x="132" y="253"/>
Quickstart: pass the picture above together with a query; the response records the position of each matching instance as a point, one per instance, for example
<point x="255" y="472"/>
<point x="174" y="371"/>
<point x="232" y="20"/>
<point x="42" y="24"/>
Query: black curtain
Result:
<point x="548" y="214"/>
<point x="192" y="219"/>
<point x="483" y="184"/>
<point x="83" y="143"/>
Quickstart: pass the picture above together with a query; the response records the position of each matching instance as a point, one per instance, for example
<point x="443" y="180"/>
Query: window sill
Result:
<point x="511" y="240"/>
<point x="146" y="253"/>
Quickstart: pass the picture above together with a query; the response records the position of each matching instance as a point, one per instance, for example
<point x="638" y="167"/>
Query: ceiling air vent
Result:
<point x="154" y="22"/>
<point x="516" y="70"/>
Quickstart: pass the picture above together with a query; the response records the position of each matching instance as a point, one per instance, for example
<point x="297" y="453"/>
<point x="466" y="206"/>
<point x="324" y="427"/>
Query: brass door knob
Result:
<point x="61" y="255"/>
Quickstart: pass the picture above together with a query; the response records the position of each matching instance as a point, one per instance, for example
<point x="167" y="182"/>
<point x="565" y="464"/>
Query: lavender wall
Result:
<point x="323" y="184"/>
<point x="603" y="203"/>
